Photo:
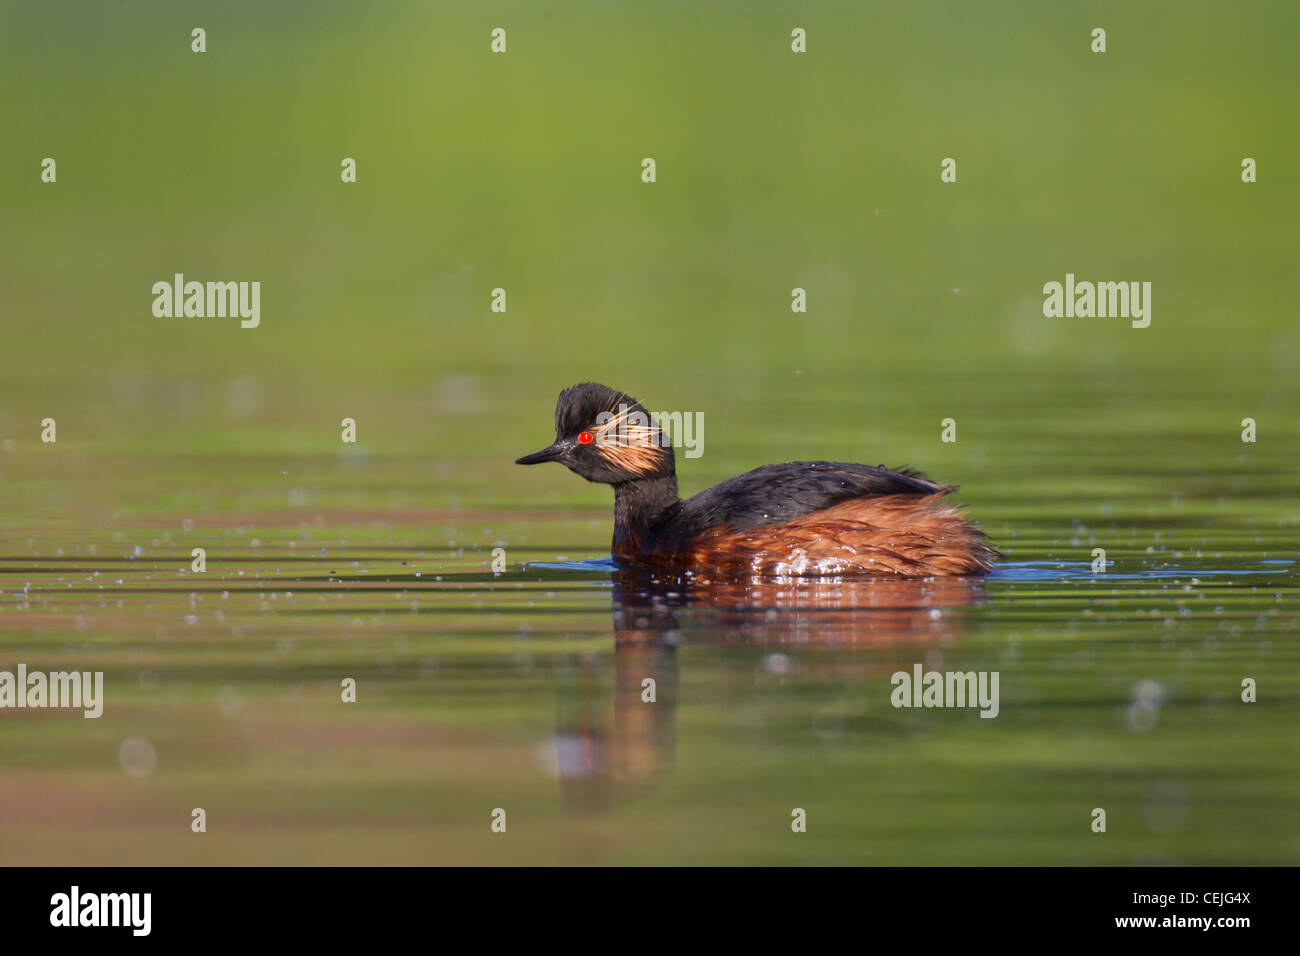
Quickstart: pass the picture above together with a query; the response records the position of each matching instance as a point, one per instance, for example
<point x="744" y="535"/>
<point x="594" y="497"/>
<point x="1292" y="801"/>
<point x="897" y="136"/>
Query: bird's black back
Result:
<point x="774" y="494"/>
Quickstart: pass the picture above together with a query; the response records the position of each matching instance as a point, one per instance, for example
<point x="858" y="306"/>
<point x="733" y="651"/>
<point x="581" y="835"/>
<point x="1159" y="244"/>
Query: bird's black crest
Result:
<point x="578" y="406"/>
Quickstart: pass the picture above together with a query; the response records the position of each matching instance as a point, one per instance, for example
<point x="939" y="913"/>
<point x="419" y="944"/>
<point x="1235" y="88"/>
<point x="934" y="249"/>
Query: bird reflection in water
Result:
<point x="610" y="751"/>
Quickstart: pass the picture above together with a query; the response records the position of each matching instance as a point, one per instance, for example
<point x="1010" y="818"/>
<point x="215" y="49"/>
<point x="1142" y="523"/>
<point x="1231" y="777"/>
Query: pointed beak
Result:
<point x="553" y="453"/>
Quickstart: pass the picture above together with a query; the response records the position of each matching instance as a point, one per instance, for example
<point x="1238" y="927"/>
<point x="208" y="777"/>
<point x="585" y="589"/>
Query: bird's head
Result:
<point x="605" y="436"/>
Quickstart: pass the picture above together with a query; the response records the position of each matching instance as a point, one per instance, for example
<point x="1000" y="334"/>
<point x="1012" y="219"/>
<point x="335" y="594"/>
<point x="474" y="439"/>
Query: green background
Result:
<point x="522" y="171"/>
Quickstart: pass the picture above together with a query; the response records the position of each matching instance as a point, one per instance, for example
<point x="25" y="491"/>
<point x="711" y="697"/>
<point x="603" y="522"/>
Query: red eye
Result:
<point x="586" y="438"/>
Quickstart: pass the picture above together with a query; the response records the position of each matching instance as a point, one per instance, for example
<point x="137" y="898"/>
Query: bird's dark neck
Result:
<point x="642" y="504"/>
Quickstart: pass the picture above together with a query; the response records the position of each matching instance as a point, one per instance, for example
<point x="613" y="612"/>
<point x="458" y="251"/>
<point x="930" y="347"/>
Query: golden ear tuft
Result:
<point x="632" y="446"/>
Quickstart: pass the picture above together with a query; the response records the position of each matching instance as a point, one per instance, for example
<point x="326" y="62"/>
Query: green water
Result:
<point x="523" y="690"/>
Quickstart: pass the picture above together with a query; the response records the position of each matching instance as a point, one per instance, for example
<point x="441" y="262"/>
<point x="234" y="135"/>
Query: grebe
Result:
<point x="800" y="518"/>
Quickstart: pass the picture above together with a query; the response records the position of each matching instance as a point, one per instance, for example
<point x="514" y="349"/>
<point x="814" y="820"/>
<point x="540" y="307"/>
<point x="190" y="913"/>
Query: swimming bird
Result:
<point x="818" y="518"/>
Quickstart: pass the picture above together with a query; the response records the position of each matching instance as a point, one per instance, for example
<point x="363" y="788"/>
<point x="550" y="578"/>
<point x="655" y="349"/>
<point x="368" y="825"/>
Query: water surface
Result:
<point x="522" y="690"/>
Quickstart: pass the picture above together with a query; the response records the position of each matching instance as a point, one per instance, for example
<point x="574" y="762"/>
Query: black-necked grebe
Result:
<point x="799" y="518"/>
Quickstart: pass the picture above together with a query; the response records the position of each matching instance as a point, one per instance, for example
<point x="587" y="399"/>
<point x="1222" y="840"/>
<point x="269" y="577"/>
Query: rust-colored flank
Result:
<point x="910" y="535"/>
